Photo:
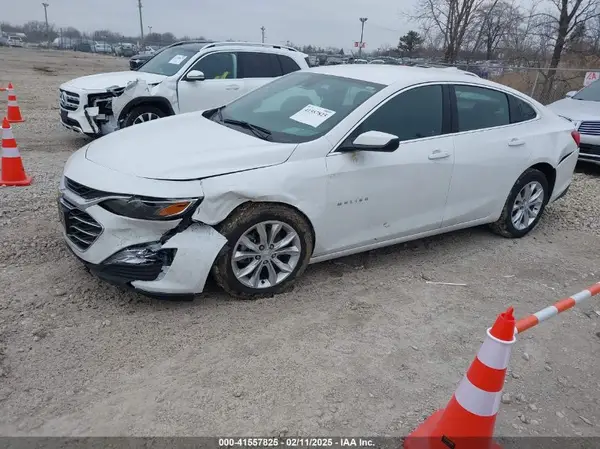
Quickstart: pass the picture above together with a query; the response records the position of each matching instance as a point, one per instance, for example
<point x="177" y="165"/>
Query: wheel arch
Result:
<point x="549" y="172"/>
<point x="159" y="102"/>
<point x="249" y="204"/>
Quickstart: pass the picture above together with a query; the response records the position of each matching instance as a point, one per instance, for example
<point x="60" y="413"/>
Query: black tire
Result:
<point x="139" y="110"/>
<point x="237" y="224"/>
<point x="504" y="226"/>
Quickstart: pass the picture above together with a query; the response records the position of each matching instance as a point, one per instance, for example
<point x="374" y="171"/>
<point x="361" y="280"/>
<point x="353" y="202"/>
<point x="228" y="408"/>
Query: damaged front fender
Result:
<point x="139" y="92"/>
<point x="197" y="248"/>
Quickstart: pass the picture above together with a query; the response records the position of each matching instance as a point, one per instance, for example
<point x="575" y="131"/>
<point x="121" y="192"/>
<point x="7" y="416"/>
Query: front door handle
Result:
<point x="438" y="154"/>
<point x="232" y="87"/>
<point x="515" y="142"/>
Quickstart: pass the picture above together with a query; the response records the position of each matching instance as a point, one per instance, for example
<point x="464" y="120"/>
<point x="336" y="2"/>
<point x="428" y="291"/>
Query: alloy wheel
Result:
<point x="527" y="205"/>
<point x="266" y="254"/>
<point x="145" y="117"/>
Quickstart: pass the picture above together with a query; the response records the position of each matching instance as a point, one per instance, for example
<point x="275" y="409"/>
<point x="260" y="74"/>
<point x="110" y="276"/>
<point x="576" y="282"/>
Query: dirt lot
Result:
<point x="362" y="346"/>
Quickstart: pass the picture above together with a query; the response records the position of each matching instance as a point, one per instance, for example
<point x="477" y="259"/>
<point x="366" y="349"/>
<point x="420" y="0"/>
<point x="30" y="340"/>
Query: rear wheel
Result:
<point x="524" y="206"/>
<point x="268" y="247"/>
<point x="142" y="114"/>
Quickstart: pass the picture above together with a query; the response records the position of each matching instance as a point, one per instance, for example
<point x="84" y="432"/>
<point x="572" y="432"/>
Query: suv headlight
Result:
<point x="150" y="208"/>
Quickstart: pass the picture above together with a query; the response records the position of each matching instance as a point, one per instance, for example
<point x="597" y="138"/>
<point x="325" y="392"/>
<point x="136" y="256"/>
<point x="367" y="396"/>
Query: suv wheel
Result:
<point x="142" y="114"/>
<point x="268" y="247"/>
<point x="524" y="206"/>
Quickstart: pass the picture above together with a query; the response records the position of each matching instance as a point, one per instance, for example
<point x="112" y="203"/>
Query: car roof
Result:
<point x="199" y="45"/>
<point x="397" y="74"/>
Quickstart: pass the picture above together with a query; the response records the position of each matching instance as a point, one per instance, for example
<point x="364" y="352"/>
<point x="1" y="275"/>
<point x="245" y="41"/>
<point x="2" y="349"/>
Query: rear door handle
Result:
<point x="515" y="142"/>
<point x="438" y="154"/>
<point x="232" y="87"/>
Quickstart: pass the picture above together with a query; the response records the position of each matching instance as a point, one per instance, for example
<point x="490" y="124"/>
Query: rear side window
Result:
<point x="288" y="64"/>
<point x="258" y="65"/>
<point x="480" y="108"/>
<point x="520" y="111"/>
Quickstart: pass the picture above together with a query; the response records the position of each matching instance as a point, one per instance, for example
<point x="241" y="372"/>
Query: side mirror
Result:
<point x="194" y="75"/>
<point x="570" y="94"/>
<point x="374" y="141"/>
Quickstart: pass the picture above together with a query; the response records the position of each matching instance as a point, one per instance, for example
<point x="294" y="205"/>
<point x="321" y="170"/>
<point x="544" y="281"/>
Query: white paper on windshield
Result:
<point x="177" y="59"/>
<point x="312" y="115"/>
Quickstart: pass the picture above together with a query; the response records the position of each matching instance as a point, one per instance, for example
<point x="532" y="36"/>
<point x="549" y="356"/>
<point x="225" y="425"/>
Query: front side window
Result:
<point x="299" y="107"/>
<point x="589" y="93"/>
<point x="169" y="61"/>
<point x="414" y="114"/>
<point x="480" y="108"/>
<point x="217" y="66"/>
<point x="258" y="65"/>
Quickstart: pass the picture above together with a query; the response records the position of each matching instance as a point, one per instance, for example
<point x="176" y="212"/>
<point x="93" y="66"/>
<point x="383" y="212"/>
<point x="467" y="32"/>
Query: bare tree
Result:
<point x="492" y="23"/>
<point x="569" y="15"/>
<point x="521" y="40"/>
<point x="450" y="18"/>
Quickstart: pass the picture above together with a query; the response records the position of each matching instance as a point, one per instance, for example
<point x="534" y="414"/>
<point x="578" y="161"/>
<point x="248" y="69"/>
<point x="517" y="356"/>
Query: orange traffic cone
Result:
<point x="469" y="418"/>
<point x="13" y="173"/>
<point x="13" y="113"/>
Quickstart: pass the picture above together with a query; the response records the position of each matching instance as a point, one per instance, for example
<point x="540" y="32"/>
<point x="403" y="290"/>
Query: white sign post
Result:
<point x="590" y="77"/>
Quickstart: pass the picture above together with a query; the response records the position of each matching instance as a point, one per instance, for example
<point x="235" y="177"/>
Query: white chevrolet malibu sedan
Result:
<point x="318" y="164"/>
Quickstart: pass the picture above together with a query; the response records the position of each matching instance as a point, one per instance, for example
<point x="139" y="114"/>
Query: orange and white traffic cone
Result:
<point x="13" y="173"/>
<point x="468" y="420"/>
<point x="13" y="112"/>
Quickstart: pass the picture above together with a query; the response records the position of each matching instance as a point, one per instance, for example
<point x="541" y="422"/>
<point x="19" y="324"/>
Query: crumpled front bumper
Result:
<point x="176" y="259"/>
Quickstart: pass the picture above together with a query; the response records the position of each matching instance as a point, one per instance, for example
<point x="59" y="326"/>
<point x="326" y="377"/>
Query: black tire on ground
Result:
<point x="504" y="226"/>
<point x="241" y="221"/>
<point x="139" y="110"/>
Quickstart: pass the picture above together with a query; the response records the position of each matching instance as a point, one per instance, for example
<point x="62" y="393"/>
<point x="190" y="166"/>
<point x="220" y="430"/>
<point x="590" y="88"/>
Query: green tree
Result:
<point x="410" y="43"/>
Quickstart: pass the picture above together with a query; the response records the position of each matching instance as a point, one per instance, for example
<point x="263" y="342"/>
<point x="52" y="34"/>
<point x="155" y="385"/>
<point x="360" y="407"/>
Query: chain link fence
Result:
<point x="543" y="84"/>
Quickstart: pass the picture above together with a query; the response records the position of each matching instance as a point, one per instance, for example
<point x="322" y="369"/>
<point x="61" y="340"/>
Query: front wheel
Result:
<point x="142" y="114"/>
<point x="268" y="247"/>
<point x="524" y="206"/>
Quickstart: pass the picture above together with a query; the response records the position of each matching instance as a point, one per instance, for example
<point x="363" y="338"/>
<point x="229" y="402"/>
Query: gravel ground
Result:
<point x="362" y="346"/>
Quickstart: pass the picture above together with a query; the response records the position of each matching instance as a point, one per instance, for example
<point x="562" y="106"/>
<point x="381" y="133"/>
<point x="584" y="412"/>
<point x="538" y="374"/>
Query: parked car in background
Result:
<point x="318" y="164"/>
<point x="103" y="47"/>
<point x="124" y="49"/>
<point x="15" y="41"/>
<point x="86" y="47"/>
<point x="139" y="60"/>
<point x="185" y="77"/>
<point x="582" y="108"/>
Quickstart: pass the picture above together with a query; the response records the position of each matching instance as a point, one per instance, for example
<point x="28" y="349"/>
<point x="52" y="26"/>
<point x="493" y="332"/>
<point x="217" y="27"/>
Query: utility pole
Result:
<point x="141" y="22"/>
<point x="263" y="29"/>
<point x="362" y="33"/>
<point x="45" y="5"/>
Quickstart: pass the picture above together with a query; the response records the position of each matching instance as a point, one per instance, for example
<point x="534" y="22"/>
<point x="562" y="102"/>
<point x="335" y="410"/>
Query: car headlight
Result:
<point x="150" y="208"/>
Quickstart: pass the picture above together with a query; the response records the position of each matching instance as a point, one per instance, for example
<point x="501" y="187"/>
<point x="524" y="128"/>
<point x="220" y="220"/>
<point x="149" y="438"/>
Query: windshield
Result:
<point x="169" y="61"/>
<point x="589" y="93"/>
<point x="301" y="106"/>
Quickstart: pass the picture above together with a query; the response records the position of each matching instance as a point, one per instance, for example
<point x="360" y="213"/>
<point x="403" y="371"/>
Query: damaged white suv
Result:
<point x="185" y="77"/>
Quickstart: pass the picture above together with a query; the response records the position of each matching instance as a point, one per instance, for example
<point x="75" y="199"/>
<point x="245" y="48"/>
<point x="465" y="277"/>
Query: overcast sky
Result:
<point x="320" y="22"/>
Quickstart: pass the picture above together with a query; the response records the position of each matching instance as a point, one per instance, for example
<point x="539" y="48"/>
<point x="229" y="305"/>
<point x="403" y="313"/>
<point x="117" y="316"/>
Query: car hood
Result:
<point x="104" y="80"/>
<point x="576" y="109"/>
<point x="184" y="147"/>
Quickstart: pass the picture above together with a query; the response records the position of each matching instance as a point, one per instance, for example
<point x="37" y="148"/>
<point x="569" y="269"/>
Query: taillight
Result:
<point x="576" y="137"/>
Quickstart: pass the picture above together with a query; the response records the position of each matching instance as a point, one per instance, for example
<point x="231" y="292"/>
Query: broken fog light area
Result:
<point x="103" y="101"/>
<point x="138" y="263"/>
